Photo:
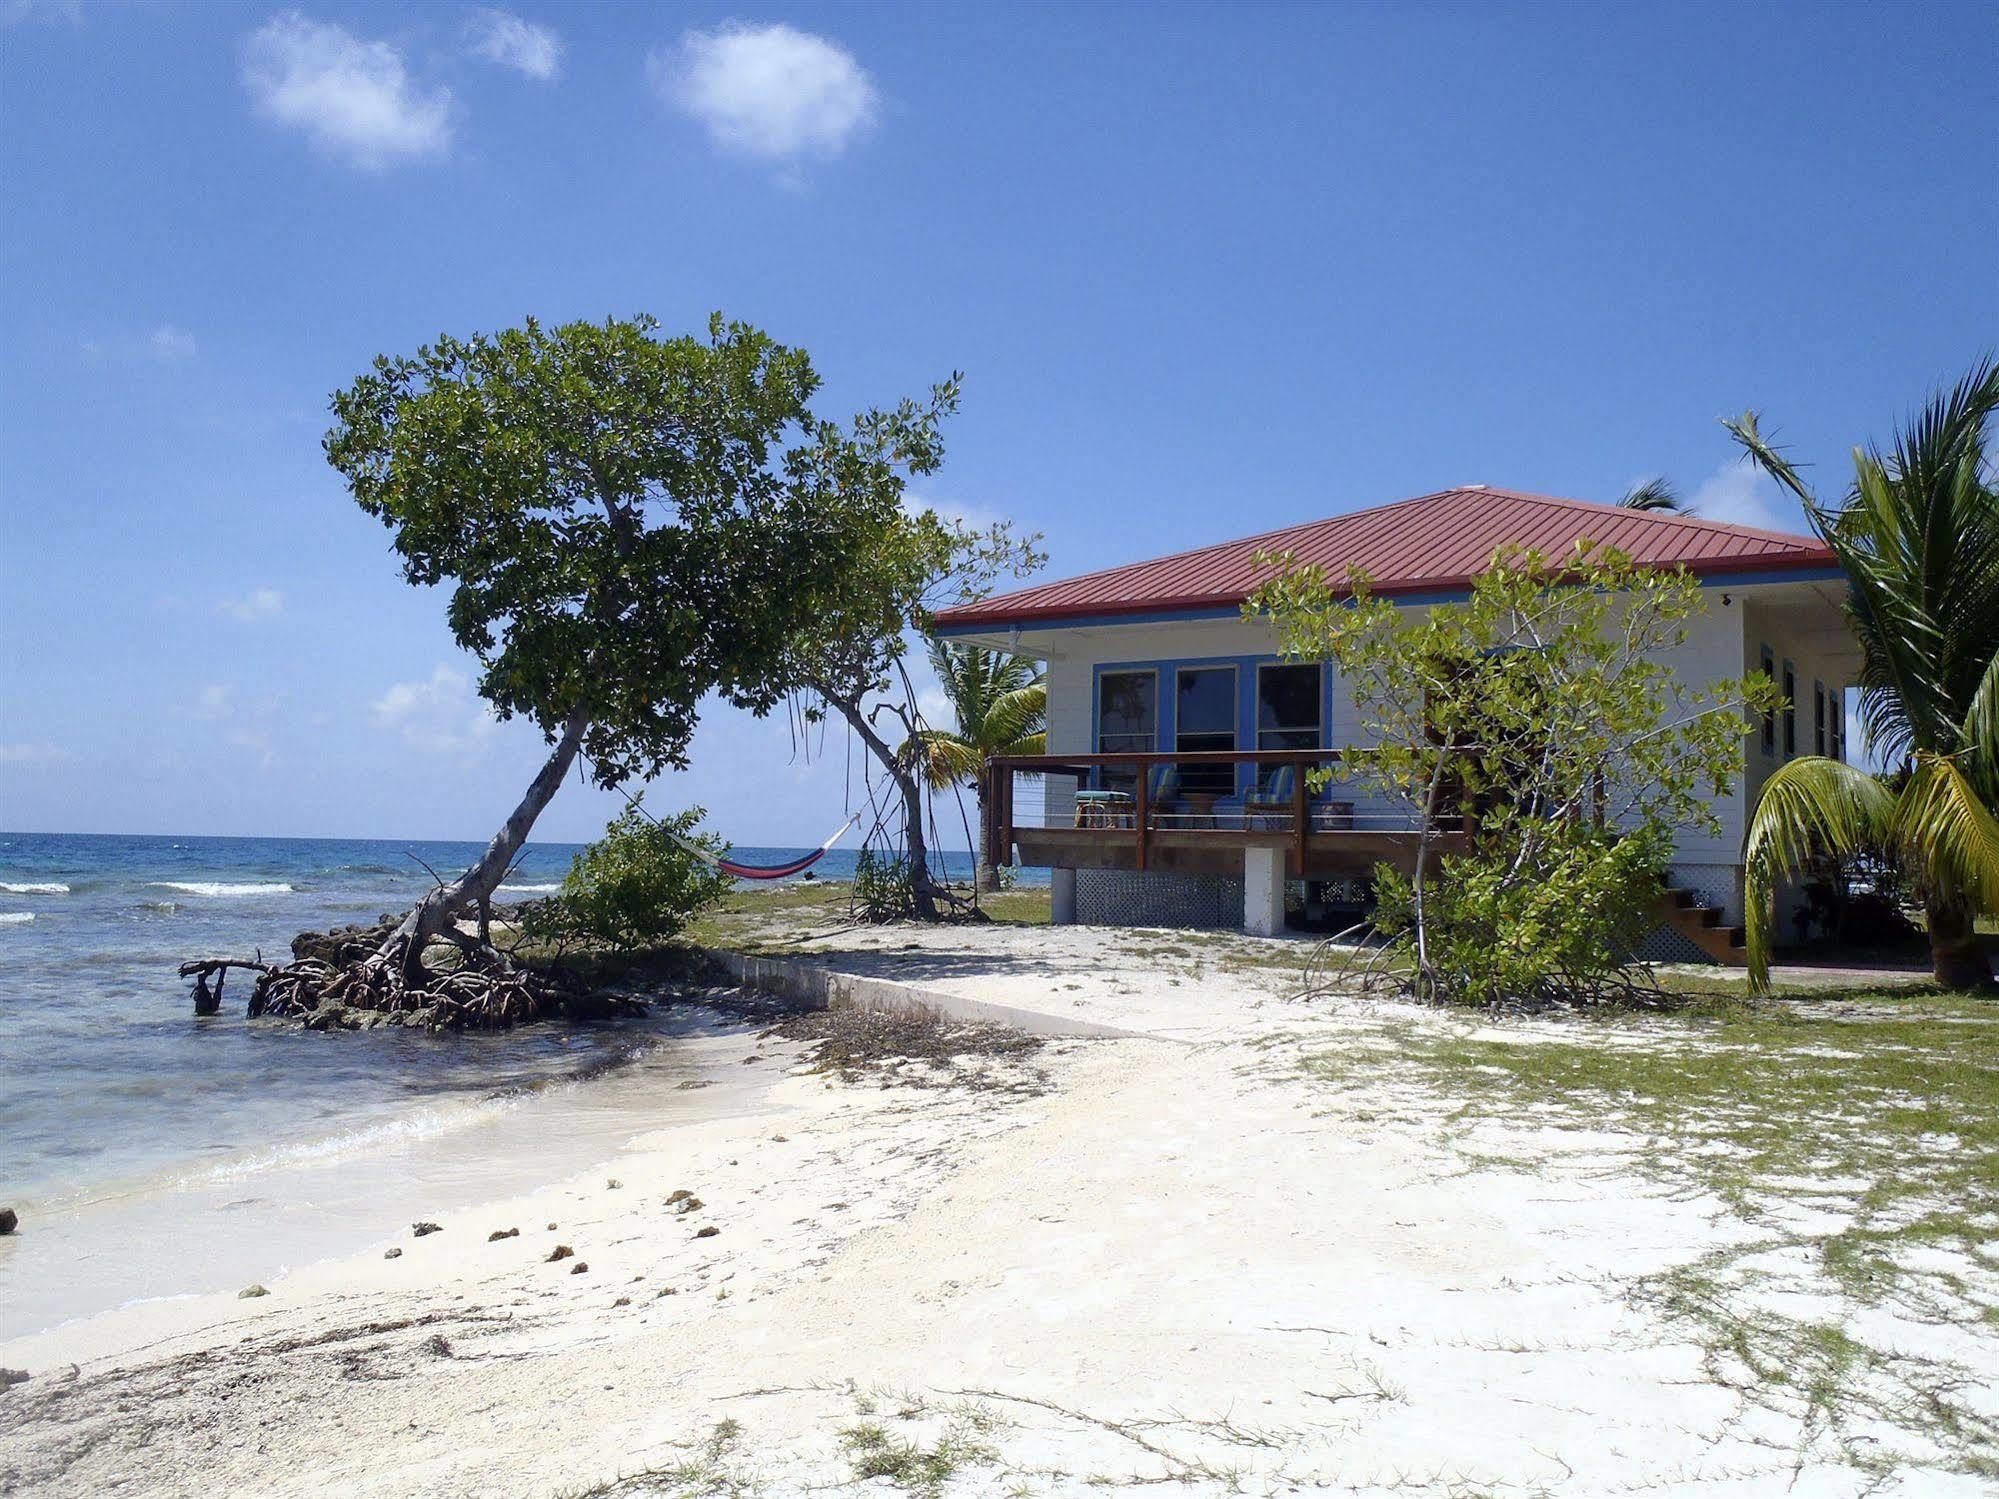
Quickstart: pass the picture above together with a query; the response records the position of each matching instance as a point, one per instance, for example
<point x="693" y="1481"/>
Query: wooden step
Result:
<point x="1700" y="924"/>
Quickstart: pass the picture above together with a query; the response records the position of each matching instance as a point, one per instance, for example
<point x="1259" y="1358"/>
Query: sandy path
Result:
<point x="1179" y="1262"/>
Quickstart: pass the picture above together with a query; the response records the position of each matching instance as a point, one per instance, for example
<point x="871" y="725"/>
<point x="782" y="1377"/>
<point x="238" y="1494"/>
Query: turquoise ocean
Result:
<point x="115" y="1100"/>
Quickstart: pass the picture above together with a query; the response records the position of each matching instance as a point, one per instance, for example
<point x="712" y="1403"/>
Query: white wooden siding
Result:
<point x="1717" y="647"/>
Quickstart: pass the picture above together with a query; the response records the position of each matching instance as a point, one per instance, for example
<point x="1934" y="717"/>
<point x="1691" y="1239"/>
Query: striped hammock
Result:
<point x="764" y="871"/>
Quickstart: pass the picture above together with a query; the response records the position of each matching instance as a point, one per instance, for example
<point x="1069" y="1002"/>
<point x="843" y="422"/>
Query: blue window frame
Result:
<point x="1769" y="719"/>
<point x="1790" y="710"/>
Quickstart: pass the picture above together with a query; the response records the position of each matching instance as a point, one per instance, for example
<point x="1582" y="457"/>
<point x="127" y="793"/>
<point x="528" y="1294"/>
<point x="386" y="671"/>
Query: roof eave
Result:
<point x="994" y="613"/>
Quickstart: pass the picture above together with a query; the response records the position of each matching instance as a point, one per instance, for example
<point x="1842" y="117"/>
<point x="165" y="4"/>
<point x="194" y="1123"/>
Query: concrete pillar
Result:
<point x="1062" y="896"/>
<point x="1263" y="891"/>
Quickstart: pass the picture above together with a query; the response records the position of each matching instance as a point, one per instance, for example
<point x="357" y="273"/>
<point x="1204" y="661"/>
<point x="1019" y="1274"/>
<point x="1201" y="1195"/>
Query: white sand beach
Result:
<point x="1180" y="1258"/>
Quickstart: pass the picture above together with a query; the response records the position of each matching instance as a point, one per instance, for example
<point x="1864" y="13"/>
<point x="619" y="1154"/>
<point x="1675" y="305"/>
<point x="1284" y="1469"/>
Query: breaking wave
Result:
<point x="219" y="887"/>
<point x="32" y="887"/>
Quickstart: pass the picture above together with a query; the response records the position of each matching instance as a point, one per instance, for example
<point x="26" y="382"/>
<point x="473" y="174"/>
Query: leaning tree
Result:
<point x="898" y="563"/>
<point x="620" y="531"/>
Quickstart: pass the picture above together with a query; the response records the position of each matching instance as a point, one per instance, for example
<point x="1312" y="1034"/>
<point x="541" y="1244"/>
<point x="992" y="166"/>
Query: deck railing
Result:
<point x="1302" y="815"/>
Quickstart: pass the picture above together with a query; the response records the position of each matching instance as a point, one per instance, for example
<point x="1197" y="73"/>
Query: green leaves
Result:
<point x="635" y="886"/>
<point x="1000" y="702"/>
<point x="617" y="515"/>
<point x="1809" y="808"/>
<point x="1918" y="536"/>
<point x="1543" y="708"/>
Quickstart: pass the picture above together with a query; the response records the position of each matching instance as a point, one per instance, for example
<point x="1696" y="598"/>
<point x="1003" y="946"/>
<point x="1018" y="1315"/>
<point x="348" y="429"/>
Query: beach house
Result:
<point x="1174" y="791"/>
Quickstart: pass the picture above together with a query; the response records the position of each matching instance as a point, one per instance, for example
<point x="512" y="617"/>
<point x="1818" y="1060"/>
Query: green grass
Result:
<point x="745" y="918"/>
<point x="1875" y="1110"/>
<point x="913" y="1466"/>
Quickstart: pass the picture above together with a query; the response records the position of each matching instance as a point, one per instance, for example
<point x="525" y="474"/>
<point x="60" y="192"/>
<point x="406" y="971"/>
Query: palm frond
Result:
<point x="995" y="697"/>
<point x="942" y="758"/>
<point x="1015" y="714"/>
<point x="1746" y="429"/>
<point x="1652" y="494"/>
<point x="1980" y="756"/>
<point x="1809" y="807"/>
<point x="1951" y="831"/>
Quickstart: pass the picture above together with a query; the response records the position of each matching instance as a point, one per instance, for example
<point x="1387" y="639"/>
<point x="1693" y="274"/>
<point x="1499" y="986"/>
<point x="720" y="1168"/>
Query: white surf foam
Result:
<point x="31" y="887"/>
<point x="526" y="889"/>
<point x="15" y="918"/>
<point x="220" y="887"/>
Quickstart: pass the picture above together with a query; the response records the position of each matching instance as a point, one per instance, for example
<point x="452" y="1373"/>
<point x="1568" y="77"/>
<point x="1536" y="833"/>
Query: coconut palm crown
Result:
<point x="1001" y="704"/>
<point x="1918" y="536"/>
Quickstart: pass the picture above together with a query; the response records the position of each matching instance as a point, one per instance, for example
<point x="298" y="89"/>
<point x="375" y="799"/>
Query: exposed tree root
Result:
<point x="343" y="980"/>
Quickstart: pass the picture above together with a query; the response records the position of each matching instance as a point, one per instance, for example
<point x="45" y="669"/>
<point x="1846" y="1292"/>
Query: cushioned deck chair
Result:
<point x="1115" y="809"/>
<point x="1266" y="807"/>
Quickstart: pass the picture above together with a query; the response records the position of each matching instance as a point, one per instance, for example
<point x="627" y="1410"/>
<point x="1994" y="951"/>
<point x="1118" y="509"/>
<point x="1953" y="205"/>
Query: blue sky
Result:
<point x="1207" y="270"/>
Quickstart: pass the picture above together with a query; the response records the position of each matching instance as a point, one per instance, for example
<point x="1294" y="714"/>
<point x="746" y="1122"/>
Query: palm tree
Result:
<point x="1653" y="494"/>
<point x="1001" y="704"/>
<point x="1918" y="535"/>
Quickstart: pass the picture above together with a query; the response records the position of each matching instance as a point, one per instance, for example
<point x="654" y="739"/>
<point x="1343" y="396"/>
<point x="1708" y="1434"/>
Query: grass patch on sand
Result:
<point x="1852" y="1136"/>
<point x="784" y="911"/>
<point x="903" y="1445"/>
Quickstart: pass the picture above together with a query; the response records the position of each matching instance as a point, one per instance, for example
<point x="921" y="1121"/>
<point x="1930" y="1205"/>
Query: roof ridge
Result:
<point x="1236" y="541"/>
<point x="1223" y="571"/>
<point x="1663" y="517"/>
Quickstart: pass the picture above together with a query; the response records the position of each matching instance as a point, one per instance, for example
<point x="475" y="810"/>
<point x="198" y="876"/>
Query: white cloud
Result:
<point x="258" y="603"/>
<point x="168" y="342"/>
<point x="973" y="517"/>
<point x="442" y="714"/>
<point x="353" y="98"/>
<point x="770" y="91"/>
<point x="1740" y="494"/>
<point x="256" y="741"/>
<point x="525" y="46"/>
<point x="34" y="754"/>
<point x="213" y="700"/>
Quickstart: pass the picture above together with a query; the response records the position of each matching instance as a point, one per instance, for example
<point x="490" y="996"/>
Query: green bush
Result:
<point x="1556" y="931"/>
<point x="1548" y="755"/>
<point x="633" y="887"/>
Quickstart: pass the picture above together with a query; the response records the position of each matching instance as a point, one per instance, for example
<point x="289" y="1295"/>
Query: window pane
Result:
<point x="1207" y="704"/>
<point x="1279" y="739"/>
<point x="1127" y="716"/>
<point x="1287" y="707"/>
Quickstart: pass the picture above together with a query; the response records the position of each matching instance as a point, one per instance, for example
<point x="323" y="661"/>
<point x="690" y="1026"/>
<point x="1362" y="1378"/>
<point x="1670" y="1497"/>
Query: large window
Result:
<point x="1819" y="725"/>
<point x="1204" y="718"/>
<point x="1127" y="712"/>
<point x="1287" y="708"/>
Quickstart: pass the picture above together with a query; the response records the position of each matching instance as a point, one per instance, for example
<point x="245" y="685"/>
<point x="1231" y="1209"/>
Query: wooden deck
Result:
<point x="1137" y="835"/>
<point x="1219" y="850"/>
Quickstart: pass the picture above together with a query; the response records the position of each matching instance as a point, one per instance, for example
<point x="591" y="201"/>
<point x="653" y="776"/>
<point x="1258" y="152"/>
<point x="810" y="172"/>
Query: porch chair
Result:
<point x="1265" y="807"/>
<point x="1116" y="809"/>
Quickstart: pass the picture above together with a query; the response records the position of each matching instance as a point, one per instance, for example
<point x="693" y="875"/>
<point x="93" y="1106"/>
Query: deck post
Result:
<point x="1000" y="809"/>
<point x="1300" y="817"/>
<point x="1062" y="896"/>
<point x="1263" y="891"/>
<point x="1143" y="808"/>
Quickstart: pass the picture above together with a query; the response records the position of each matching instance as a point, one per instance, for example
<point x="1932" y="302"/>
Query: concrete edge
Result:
<point x="831" y="989"/>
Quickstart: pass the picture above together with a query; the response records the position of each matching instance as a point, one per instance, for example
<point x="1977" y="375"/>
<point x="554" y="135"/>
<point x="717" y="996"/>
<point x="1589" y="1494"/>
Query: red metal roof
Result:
<point x="1436" y="542"/>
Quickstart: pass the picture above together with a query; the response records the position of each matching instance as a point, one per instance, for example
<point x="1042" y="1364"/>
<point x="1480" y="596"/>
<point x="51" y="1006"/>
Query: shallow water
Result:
<point x="150" y="1152"/>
